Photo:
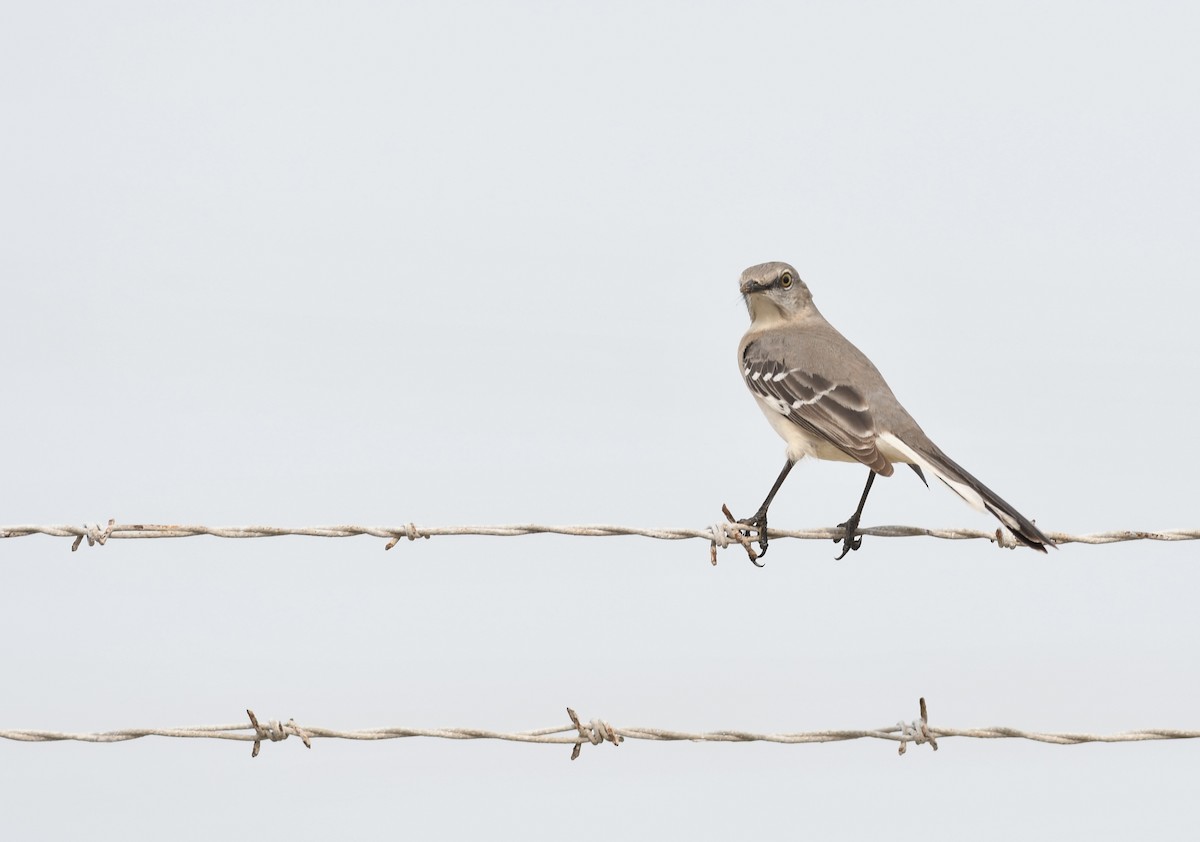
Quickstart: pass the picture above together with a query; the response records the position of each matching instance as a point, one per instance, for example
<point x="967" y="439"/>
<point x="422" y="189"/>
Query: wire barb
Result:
<point x="917" y="731"/>
<point x="734" y="529"/>
<point x="410" y="532"/>
<point x="275" y="731"/>
<point x="595" y="732"/>
<point x="92" y="531"/>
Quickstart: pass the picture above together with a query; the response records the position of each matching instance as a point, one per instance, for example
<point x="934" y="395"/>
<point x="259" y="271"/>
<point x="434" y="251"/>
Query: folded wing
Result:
<point x="830" y="411"/>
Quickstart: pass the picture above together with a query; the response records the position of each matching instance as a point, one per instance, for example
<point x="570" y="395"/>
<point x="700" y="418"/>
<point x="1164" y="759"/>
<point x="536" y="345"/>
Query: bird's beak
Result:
<point x="748" y="287"/>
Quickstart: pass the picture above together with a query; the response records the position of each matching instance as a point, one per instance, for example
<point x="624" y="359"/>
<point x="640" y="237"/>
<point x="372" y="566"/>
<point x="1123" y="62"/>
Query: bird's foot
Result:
<point x="758" y="523"/>
<point x="850" y="540"/>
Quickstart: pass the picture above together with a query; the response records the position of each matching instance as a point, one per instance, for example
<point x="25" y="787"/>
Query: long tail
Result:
<point x="929" y="456"/>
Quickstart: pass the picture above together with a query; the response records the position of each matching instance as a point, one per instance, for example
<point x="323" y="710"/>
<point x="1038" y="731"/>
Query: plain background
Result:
<point x="458" y="263"/>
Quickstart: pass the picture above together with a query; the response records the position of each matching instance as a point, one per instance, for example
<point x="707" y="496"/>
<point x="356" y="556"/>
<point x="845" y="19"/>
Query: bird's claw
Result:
<point x="850" y="541"/>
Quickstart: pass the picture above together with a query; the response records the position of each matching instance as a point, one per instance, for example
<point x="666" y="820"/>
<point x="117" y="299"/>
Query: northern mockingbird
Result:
<point x="826" y="399"/>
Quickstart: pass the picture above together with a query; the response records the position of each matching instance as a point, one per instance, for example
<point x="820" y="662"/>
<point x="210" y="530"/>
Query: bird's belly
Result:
<point x="800" y="442"/>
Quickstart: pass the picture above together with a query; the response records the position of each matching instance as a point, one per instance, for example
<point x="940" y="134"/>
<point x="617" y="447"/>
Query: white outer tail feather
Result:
<point x="896" y="450"/>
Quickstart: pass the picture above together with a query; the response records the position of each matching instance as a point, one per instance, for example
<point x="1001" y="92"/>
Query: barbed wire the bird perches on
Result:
<point x="719" y="535"/>
<point x="597" y="731"/>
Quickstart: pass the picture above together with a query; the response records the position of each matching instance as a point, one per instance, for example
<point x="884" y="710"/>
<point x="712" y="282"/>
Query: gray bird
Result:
<point x="826" y="399"/>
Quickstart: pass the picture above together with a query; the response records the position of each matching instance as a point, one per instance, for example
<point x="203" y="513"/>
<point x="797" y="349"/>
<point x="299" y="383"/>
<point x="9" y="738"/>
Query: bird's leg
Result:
<point x="849" y="540"/>
<point x="759" y="521"/>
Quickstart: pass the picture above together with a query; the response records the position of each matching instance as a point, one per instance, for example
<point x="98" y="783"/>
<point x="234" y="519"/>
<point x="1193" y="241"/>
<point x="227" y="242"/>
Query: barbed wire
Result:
<point x="597" y="731"/>
<point x="719" y="535"/>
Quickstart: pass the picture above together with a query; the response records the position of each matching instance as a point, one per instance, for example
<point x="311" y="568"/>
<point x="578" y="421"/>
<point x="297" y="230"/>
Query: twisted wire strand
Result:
<point x="721" y="534"/>
<point x="595" y="732"/>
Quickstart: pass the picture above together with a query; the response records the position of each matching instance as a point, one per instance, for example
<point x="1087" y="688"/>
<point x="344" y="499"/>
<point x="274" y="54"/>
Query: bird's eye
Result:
<point x="785" y="280"/>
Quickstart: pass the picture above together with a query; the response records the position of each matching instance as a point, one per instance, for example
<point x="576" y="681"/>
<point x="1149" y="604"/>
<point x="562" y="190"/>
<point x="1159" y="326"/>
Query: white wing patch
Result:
<point x="753" y="375"/>
<point x="778" y="404"/>
<point x="814" y="398"/>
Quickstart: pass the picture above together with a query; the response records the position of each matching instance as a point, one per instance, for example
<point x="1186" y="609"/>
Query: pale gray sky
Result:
<point x="459" y="263"/>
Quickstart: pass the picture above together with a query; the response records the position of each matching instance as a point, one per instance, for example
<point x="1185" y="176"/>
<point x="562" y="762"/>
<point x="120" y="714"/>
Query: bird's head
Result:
<point x="774" y="290"/>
